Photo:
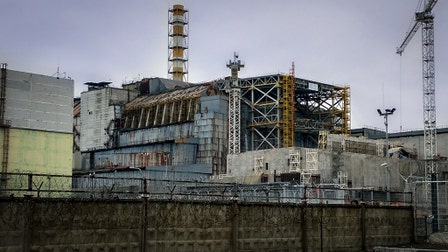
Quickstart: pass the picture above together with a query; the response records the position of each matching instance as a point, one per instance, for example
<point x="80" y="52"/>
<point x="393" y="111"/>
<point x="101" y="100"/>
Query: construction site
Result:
<point x="266" y="133"/>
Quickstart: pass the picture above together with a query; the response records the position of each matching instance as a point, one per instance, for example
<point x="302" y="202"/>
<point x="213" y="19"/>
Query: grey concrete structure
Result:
<point x="410" y="139"/>
<point x="39" y="102"/>
<point x="170" y="225"/>
<point x="99" y="110"/>
<point x="359" y="161"/>
<point x="414" y="139"/>
<point x="171" y="130"/>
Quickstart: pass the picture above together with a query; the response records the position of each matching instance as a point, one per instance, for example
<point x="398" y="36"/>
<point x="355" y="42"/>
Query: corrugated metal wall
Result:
<point x="155" y="135"/>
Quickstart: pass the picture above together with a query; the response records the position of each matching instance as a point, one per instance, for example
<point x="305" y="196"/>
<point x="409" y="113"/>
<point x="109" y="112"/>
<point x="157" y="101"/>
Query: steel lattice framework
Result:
<point x="234" y="106"/>
<point x="425" y="19"/>
<point x="429" y="101"/>
<point x="316" y="106"/>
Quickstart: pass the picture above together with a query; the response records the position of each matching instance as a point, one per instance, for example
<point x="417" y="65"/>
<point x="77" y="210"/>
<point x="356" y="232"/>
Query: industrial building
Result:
<point x="290" y="128"/>
<point x="157" y="126"/>
<point x="165" y="126"/>
<point x="36" y="124"/>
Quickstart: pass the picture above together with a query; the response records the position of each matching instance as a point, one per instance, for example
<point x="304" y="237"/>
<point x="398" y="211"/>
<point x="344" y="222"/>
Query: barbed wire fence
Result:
<point x="102" y="187"/>
<point x="431" y="209"/>
<point x="95" y="203"/>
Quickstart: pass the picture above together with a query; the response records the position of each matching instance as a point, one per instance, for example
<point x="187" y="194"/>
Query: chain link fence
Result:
<point x="431" y="208"/>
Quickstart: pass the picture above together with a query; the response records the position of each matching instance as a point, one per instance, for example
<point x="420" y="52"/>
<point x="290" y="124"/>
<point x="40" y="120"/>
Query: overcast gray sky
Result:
<point x="340" y="42"/>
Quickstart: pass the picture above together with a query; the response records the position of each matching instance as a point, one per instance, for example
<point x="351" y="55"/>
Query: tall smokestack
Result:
<point x="178" y="43"/>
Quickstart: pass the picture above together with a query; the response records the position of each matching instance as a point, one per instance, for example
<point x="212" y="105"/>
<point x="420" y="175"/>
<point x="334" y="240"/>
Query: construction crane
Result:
<point x="425" y="19"/>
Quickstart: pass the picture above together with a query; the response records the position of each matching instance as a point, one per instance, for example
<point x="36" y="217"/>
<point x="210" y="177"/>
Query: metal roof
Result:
<point x="190" y="92"/>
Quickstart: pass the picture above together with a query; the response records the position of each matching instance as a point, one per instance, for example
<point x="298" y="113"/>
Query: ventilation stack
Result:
<point x="178" y="43"/>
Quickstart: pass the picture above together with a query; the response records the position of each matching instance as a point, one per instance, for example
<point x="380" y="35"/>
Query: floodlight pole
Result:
<point x="386" y="123"/>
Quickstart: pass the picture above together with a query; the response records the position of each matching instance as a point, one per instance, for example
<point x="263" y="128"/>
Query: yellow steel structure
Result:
<point x="287" y="103"/>
<point x="285" y="111"/>
<point x="346" y="124"/>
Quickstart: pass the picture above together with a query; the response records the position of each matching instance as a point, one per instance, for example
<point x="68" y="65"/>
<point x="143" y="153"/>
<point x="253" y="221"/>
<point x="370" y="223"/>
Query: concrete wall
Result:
<point x="416" y="141"/>
<point x="98" y="109"/>
<point x="40" y="102"/>
<point x="40" y="152"/>
<point x="362" y="170"/>
<point x="211" y="127"/>
<point x="146" y="225"/>
<point x="39" y="109"/>
<point x="202" y="141"/>
<point x="37" y="152"/>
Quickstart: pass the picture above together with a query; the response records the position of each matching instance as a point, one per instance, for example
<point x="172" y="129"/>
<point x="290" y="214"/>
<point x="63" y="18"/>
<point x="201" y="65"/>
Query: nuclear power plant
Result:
<point x="277" y="130"/>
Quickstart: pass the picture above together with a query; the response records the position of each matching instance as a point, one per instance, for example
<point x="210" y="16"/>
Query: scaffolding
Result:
<point x="323" y="139"/>
<point x="287" y="104"/>
<point x="3" y="67"/>
<point x="258" y="164"/>
<point x="4" y="125"/>
<point x="346" y="112"/>
<point x="275" y="120"/>
<point x="263" y="95"/>
<point x="321" y="107"/>
<point x="294" y="161"/>
<point x="311" y="166"/>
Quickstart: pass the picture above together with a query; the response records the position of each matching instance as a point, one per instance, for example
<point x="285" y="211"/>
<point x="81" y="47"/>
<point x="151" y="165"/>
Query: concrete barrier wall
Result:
<point x="149" y="225"/>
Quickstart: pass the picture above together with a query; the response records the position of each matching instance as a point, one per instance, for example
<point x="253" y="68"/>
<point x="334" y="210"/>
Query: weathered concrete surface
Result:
<point x="150" y="225"/>
<point x="362" y="170"/>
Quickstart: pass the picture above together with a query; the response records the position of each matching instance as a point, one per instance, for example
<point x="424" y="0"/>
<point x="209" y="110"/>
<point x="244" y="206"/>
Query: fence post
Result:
<point x="234" y="238"/>
<point x="363" y="228"/>
<point x="26" y="224"/>
<point x="30" y="182"/>
<point x="144" y="196"/>
<point x="304" y="230"/>
<point x="434" y="203"/>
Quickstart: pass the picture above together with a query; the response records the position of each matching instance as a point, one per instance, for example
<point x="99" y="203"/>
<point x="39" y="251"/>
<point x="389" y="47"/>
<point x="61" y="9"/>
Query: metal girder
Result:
<point x="315" y="106"/>
<point x="425" y="19"/>
<point x="263" y="95"/>
<point x="268" y="138"/>
<point x="234" y="106"/>
<point x="325" y="110"/>
<point x="234" y="120"/>
<point x="418" y="18"/>
<point x="429" y="103"/>
<point x="174" y="106"/>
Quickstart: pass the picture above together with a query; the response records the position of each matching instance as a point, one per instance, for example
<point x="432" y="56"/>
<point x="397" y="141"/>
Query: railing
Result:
<point x="114" y="187"/>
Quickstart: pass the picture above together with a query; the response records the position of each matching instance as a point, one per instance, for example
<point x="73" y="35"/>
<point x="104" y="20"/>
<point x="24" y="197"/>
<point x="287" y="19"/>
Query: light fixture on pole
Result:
<point x="386" y="123"/>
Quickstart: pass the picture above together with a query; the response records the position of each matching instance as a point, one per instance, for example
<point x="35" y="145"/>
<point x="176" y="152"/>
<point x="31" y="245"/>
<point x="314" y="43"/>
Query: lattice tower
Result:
<point x="234" y="106"/>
